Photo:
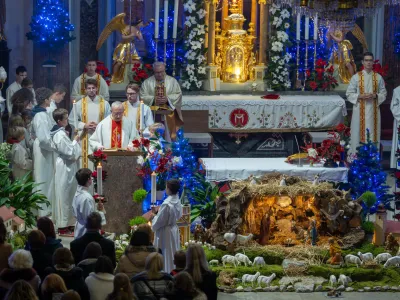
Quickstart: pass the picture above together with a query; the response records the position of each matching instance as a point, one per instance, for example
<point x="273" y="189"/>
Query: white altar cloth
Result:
<point x="234" y="169"/>
<point x="251" y="113"/>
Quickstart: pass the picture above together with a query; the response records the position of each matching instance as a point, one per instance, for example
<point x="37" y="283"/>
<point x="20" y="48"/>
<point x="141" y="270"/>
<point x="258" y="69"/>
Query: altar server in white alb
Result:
<point x="88" y="113"/>
<point x="115" y="131"/>
<point x="166" y="231"/>
<point x="395" y="108"/>
<point x="163" y="92"/>
<point x="20" y="159"/>
<point x="66" y="155"/>
<point x="59" y="92"/>
<point x="132" y="109"/>
<point x="366" y="92"/>
<point x="83" y="204"/>
<point x="20" y="74"/>
<point x="43" y="165"/>
<point x="79" y="90"/>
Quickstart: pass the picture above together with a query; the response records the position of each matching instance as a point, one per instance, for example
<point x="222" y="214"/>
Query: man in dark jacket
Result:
<point x="93" y="227"/>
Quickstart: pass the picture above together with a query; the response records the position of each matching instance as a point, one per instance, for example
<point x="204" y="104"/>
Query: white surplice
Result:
<point x="102" y="135"/>
<point x="66" y="155"/>
<point x="76" y="89"/>
<point x="43" y="165"/>
<point x="352" y="93"/>
<point x="133" y="111"/>
<point x="21" y="161"/>
<point x="50" y="110"/>
<point x="395" y="108"/>
<point x="166" y="231"/>
<point x="83" y="205"/>
<point x="93" y="115"/>
<point x="12" y="88"/>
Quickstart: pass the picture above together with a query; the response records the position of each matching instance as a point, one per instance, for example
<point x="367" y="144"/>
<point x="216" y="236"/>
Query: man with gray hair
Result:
<point x="115" y="131"/>
<point x="163" y="94"/>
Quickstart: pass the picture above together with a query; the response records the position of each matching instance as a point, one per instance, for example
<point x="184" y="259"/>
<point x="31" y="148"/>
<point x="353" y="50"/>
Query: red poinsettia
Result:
<point x="321" y="63"/>
<point x="321" y="78"/>
<point x="313" y="85"/>
<point x="140" y="73"/>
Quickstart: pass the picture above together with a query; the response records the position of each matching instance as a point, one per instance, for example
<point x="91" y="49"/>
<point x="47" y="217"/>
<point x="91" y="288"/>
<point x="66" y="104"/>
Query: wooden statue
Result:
<point x="391" y="244"/>
<point x="265" y="230"/>
<point x="335" y="252"/>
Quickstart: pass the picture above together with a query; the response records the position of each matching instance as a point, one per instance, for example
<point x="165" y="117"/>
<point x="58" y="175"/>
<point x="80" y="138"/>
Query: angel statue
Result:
<point x="341" y="57"/>
<point x="125" y="52"/>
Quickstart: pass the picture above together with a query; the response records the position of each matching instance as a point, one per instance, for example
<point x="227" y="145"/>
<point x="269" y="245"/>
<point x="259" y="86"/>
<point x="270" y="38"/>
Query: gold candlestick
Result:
<point x="156" y="57"/>
<point x="297" y="60"/>
<point x="174" y="60"/>
<point x="165" y="51"/>
<point x="305" y="66"/>
<point x="315" y="53"/>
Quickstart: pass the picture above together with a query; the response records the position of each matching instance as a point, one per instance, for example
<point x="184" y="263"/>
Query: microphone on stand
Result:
<point x="298" y="151"/>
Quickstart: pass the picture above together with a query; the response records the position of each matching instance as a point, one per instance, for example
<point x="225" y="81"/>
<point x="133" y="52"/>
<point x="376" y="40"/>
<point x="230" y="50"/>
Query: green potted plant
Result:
<point x="139" y="196"/>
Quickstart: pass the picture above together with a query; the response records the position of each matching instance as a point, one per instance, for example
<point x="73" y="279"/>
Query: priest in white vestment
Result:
<point x="132" y="108"/>
<point x="78" y="89"/>
<point x="162" y="92"/>
<point x="90" y="111"/>
<point x="83" y="204"/>
<point x="43" y="165"/>
<point x="20" y="74"/>
<point x="395" y="108"/>
<point x="166" y="231"/>
<point x="115" y="131"/>
<point x="366" y="92"/>
<point x="66" y="155"/>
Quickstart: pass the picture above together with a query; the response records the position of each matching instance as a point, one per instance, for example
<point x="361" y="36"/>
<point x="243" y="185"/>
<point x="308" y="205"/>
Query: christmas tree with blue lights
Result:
<point x="366" y="174"/>
<point x="50" y="25"/>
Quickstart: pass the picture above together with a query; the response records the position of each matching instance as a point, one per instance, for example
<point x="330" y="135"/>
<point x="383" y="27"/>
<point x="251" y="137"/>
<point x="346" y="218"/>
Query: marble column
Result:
<point x="211" y="33"/>
<point x="225" y="13"/>
<point x="263" y="32"/>
<point x="207" y="18"/>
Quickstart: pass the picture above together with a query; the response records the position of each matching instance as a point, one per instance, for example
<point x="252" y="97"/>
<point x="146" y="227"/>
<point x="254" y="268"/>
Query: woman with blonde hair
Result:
<point x="122" y="288"/>
<point x="197" y="267"/>
<point x="21" y="290"/>
<point x="152" y="283"/>
<point x="53" y="287"/>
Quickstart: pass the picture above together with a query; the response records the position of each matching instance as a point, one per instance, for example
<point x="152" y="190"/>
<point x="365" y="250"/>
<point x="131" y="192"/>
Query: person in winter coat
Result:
<point x="122" y="288"/>
<point x="53" y="287"/>
<point x="45" y="225"/>
<point x="90" y="255"/>
<point x="63" y="265"/>
<point x="184" y="288"/>
<point x="41" y="259"/>
<point x="101" y="282"/>
<point x="152" y="283"/>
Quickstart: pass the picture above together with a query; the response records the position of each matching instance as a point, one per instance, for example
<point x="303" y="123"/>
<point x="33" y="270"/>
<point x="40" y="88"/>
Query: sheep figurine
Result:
<point x="250" y="278"/>
<point x="366" y="256"/>
<point x="213" y="262"/>
<point x="230" y="237"/>
<point x="332" y="280"/>
<point x="230" y="260"/>
<point x="344" y="280"/>
<point x="241" y="258"/>
<point x="382" y="258"/>
<point x="393" y="261"/>
<point x="283" y="181"/>
<point x="350" y="258"/>
<point x="242" y="239"/>
<point x="266" y="279"/>
<point x="259" y="261"/>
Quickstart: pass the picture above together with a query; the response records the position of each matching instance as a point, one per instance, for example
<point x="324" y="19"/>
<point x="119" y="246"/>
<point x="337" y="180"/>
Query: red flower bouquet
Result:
<point x="321" y="79"/>
<point x="140" y="72"/>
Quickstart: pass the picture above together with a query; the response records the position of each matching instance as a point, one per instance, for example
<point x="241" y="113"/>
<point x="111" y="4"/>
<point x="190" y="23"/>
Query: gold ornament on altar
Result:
<point x="234" y="56"/>
<point x="125" y="53"/>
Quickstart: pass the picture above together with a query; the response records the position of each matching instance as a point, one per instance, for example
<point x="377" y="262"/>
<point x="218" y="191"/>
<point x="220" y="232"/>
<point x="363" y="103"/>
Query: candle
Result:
<point x="316" y="27"/>
<point x="99" y="179"/>
<point x="165" y="19"/>
<point x="157" y="19"/>
<point x="298" y="27"/>
<point x="153" y="188"/>
<point x="141" y="127"/>
<point x="307" y="30"/>
<point x="175" y="28"/>
<point x="75" y="114"/>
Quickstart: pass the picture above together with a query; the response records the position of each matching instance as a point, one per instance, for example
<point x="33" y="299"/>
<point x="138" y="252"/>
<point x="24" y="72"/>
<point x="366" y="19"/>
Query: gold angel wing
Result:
<point x="359" y="34"/>
<point x="117" y="23"/>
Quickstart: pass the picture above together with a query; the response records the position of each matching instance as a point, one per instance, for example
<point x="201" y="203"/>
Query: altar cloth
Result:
<point x="235" y="169"/>
<point x="251" y="113"/>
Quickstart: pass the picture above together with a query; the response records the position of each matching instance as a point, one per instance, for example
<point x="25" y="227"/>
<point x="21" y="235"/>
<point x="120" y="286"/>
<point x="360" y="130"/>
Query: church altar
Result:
<point x="234" y="169"/>
<point x="250" y="113"/>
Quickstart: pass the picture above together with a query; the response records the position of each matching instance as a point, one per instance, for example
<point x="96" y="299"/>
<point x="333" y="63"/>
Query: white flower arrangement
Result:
<point x="195" y="70"/>
<point x="278" y="72"/>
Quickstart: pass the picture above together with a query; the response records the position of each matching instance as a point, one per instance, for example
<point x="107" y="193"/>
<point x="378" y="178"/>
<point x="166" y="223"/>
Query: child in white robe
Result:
<point x="66" y="155"/>
<point x="83" y="204"/>
<point x="166" y="231"/>
<point x="20" y="158"/>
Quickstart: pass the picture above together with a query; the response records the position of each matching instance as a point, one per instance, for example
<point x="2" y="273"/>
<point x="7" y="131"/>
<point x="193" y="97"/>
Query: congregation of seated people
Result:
<point x="46" y="270"/>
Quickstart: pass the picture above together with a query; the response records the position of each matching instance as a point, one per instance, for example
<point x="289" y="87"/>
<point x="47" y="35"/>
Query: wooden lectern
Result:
<point x="121" y="182"/>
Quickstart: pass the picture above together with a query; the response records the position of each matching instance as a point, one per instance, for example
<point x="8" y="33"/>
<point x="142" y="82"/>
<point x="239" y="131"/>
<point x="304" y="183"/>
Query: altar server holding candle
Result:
<point x="135" y="110"/>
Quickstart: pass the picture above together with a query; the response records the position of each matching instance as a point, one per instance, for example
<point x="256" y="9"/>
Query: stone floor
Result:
<point x="311" y="296"/>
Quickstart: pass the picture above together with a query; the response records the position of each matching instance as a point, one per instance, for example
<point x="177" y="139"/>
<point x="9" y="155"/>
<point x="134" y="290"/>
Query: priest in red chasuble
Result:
<point x="115" y="131"/>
